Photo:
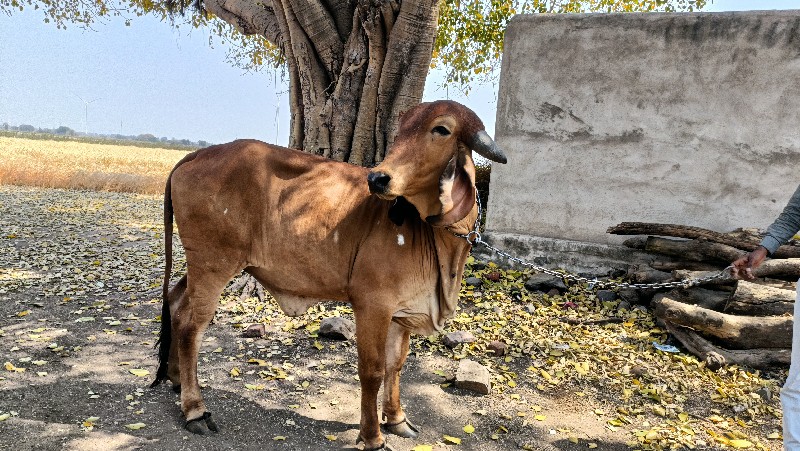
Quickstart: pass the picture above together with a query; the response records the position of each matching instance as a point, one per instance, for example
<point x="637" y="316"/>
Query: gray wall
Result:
<point x="677" y="118"/>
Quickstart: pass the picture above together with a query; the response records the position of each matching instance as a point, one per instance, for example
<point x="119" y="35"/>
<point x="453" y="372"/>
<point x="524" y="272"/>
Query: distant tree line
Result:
<point x="64" y="131"/>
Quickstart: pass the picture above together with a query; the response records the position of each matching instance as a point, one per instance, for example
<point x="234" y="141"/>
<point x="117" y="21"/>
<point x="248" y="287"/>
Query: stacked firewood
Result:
<point x="728" y="321"/>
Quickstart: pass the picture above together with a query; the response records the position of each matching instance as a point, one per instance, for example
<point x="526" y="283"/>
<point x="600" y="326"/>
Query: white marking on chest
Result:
<point x="225" y="212"/>
<point x="335" y="236"/>
<point x="401" y="240"/>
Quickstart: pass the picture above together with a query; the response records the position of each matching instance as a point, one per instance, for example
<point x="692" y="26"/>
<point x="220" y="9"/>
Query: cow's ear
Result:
<point x="401" y="210"/>
<point x="456" y="190"/>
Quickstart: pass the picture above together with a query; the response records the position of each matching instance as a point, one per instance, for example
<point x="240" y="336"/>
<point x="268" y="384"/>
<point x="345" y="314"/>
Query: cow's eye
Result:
<point x="440" y="130"/>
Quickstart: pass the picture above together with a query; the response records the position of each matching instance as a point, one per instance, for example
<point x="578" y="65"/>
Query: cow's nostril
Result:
<point x="378" y="181"/>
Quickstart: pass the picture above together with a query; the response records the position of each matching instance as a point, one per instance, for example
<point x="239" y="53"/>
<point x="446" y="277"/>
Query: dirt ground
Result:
<point x="79" y="280"/>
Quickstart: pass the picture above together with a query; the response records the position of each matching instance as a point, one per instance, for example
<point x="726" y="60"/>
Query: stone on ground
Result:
<point x="473" y="376"/>
<point x="453" y="339"/>
<point x="254" y="331"/>
<point x="544" y="282"/>
<point x="337" y="328"/>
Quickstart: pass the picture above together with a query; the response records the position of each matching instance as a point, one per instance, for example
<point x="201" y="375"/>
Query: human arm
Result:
<point x="784" y="228"/>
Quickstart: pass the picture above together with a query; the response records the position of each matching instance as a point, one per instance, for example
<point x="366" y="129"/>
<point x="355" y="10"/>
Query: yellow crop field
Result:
<point x="77" y="165"/>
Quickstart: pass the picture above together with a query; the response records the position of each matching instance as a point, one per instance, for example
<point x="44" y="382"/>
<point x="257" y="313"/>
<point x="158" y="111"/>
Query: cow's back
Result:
<point x="261" y="207"/>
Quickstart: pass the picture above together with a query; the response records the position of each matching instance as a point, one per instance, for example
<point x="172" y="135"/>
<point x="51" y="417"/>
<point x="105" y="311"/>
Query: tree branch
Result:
<point x="248" y="17"/>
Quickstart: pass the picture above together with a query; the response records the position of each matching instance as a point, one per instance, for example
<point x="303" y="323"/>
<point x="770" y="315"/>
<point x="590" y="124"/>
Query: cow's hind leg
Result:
<point x="371" y="327"/>
<point x="190" y="318"/>
<point x="397" y="343"/>
<point x="176" y="296"/>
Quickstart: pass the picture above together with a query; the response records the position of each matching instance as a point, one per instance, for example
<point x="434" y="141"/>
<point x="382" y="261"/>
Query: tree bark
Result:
<point x="740" y="239"/>
<point x="354" y="66"/>
<point x="715" y="357"/>
<point x="737" y="332"/>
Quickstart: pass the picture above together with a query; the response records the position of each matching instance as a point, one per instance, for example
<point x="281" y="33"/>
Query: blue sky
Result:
<point x="150" y="78"/>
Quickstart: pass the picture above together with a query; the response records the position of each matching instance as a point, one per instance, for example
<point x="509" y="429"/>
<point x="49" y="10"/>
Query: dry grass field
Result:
<point x="76" y="165"/>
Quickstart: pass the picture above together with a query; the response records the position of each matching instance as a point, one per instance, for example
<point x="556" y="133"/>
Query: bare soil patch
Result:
<point x="79" y="283"/>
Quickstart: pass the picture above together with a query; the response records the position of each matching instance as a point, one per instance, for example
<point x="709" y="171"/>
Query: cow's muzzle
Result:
<point x="378" y="182"/>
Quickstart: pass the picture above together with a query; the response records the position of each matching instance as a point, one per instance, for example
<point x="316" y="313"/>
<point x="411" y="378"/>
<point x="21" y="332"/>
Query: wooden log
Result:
<point x="738" y="239"/>
<point x="737" y="332"/>
<point x="683" y="264"/>
<point x="715" y="357"/>
<point x="647" y="275"/>
<point x="759" y="300"/>
<point x="693" y="250"/>
<point x="701" y="297"/>
<point x="777" y="267"/>
<point x="637" y="242"/>
<point x="725" y="283"/>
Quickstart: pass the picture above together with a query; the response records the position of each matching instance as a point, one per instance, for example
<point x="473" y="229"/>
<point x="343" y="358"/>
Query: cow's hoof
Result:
<point x="404" y="428"/>
<point x="383" y="446"/>
<point x="202" y="425"/>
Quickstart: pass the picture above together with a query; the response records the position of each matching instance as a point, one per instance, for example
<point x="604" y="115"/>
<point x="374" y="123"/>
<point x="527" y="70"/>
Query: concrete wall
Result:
<point x="677" y="118"/>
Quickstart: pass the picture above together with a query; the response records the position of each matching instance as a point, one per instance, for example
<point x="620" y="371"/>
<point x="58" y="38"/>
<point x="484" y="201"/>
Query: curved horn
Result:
<point x="485" y="146"/>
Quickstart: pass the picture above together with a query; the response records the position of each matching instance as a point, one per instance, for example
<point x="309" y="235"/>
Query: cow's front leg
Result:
<point x="397" y="343"/>
<point x="371" y="332"/>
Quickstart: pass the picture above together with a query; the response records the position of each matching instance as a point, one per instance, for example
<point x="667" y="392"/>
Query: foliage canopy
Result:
<point x="468" y="45"/>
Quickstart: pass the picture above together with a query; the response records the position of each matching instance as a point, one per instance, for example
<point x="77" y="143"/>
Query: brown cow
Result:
<point x="310" y="229"/>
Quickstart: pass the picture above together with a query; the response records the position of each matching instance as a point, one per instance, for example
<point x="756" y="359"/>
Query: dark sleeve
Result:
<point x="785" y="227"/>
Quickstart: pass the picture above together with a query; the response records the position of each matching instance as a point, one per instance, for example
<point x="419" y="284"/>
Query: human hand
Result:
<point x="743" y="267"/>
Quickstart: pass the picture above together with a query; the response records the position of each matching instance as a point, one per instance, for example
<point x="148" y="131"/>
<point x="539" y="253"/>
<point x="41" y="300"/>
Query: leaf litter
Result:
<point x="99" y="257"/>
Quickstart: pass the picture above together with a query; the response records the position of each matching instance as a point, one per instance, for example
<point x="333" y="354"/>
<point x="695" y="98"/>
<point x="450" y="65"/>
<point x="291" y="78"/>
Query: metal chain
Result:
<point x="473" y="237"/>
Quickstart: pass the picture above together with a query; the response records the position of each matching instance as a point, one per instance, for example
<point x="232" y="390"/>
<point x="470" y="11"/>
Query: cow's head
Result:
<point x="430" y="163"/>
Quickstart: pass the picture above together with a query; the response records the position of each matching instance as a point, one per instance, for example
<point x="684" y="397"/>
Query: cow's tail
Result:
<point x="165" y="336"/>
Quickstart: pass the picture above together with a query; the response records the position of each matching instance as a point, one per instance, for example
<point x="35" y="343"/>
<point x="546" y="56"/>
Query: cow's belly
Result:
<point x="294" y="305"/>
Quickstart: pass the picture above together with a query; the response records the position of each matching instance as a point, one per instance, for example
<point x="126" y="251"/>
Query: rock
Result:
<point x="254" y="331"/>
<point x="337" y="328"/>
<point x="606" y="295"/>
<point x="629" y="295"/>
<point x="473" y="376"/>
<point x="638" y="370"/>
<point x="554" y="292"/>
<point x="764" y="393"/>
<point x="477" y="266"/>
<point x="473" y="282"/>
<point x="624" y="305"/>
<point x="493" y="276"/>
<point x="454" y="339"/>
<point x="544" y="282"/>
<point x="497" y="347"/>
<point x="530" y="308"/>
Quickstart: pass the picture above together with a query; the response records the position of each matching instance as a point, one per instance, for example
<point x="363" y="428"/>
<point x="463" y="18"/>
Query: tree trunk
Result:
<point x="354" y="66"/>
<point x="737" y="332"/>
<point x="740" y="239"/>
<point x="715" y="357"/>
